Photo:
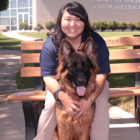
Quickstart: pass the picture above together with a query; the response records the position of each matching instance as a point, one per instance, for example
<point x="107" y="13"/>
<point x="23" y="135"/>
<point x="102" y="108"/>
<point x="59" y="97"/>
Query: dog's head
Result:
<point x="79" y="66"/>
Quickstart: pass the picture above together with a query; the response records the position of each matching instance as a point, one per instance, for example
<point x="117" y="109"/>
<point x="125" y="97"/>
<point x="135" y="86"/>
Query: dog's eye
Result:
<point x="84" y="65"/>
<point x="74" y="65"/>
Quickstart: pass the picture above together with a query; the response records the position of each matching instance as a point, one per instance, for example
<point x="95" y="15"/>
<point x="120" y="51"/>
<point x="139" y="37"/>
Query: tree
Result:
<point x="138" y="25"/>
<point x="49" y="25"/>
<point x="25" y="26"/>
<point x="113" y="25"/>
<point x="38" y="27"/>
<point x="102" y="25"/>
<point x="131" y="25"/>
<point x="122" y="25"/>
<point x="4" y="4"/>
<point x="94" y="25"/>
<point x="20" y="25"/>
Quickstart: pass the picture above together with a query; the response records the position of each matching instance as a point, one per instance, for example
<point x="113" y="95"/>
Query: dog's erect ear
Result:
<point x="66" y="48"/>
<point x="89" y="47"/>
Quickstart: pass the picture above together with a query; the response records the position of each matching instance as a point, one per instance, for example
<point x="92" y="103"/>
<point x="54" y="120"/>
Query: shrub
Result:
<point x="25" y="26"/>
<point x="131" y="25"/>
<point x="94" y="25"/>
<point x="102" y="25"/>
<point x="49" y="25"/>
<point x="113" y="25"/>
<point x="29" y="27"/>
<point x="138" y="25"/>
<point x="20" y="25"/>
<point x="122" y="25"/>
<point x="38" y="27"/>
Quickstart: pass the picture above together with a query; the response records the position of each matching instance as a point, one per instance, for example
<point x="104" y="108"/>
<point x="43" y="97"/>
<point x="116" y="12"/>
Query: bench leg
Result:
<point x="32" y="112"/>
<point x="138" y="110"/>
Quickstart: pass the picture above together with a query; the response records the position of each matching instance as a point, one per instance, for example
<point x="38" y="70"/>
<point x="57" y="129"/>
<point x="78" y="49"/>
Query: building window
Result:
<point x="13" y="12"/>
<point x="20" y="18"/>
<point x="23" y="10"/>
<point x="13" y="4"/>
<point x="30" y="11"/>
<point x="13" y="21"/>
<point x="13" y="27"/>
<point x="22" y="3"/>
<point x="30" y="20"/>
<point x="4" y="21"/>
<point x="30" y="3"/>
<point x="26" y="18"/>
<point x="4" y="13"/>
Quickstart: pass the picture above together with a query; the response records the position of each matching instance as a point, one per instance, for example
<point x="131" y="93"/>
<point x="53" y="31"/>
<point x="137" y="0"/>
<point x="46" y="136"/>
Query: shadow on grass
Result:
<point x="10" y="43"/>
<point x="5" y="38"/>
<point x="120" y="100"/>
<point x="24" y="82"/>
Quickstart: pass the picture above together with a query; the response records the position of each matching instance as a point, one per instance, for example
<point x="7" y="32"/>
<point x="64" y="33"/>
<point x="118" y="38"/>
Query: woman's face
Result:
<point x="71" y="25"/>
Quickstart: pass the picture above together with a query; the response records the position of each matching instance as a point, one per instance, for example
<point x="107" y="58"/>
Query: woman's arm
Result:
<point x="70" y="104"/>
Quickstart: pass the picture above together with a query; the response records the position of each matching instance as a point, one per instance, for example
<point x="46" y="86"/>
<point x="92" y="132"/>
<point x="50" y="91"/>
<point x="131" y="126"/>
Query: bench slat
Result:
<point x="31" y="45"/>
<point x="123" y="92"/>
<point x="122" y="41"/>
<point x="124" y="54"/>
<point x="30" y="72"/>
<point x="125" y="68"/>
<point x="30" y="58"/>
<point x="111" y="42"/>
<point x="27" y="96"/>
<point x="40" y="95"/>
<point x="115" y="69"/>
<point x="114" y="55"/>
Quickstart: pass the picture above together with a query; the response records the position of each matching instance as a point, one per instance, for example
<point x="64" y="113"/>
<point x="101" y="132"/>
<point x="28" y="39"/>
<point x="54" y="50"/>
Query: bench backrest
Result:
<point x="114" y="55"/>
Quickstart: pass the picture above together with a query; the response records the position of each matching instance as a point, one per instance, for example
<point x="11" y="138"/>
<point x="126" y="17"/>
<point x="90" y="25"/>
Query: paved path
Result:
<point x="17" y="36"/>
<point x="9" y="65"/>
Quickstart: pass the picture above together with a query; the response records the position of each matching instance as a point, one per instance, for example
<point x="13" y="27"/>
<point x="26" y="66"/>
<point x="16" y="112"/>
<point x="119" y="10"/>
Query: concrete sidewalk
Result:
<point x="10" y="63"/>
<point x="122" y="124"/>
<point x="17" y="36"/>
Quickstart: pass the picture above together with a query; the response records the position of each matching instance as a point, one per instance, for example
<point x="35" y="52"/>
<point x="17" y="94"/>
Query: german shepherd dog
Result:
<point x="77" y="72"/>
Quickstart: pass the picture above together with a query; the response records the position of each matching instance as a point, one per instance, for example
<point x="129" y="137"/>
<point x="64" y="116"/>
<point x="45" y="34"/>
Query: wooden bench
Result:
<point x="32" y="100"/>
<point x="3" y="28"/>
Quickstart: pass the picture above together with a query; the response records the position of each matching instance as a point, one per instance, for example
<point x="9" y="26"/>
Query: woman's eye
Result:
<point x="78" y="19"/>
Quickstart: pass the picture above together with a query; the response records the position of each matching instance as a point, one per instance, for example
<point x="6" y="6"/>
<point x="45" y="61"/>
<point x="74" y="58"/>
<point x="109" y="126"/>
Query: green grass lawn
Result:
<point x="9" y="43"/>
<point x="118" y="34"/>
<point x="39" y="35"/>
<point x="24" y="82"/>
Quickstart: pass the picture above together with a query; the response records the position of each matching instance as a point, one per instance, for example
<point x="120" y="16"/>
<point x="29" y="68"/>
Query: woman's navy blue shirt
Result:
<point x="49" y="53"/>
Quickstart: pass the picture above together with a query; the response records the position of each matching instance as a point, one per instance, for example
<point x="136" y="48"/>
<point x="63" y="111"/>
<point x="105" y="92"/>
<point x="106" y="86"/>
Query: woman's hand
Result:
<point x="72" y="106"/>
<point x="86" y="104"/>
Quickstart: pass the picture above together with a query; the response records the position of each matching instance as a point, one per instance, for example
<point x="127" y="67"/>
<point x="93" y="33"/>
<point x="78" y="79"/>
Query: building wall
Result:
<point x="108" y="10"/>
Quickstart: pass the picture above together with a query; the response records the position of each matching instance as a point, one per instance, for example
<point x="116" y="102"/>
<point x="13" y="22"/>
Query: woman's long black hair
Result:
<point x="76" y="9"/>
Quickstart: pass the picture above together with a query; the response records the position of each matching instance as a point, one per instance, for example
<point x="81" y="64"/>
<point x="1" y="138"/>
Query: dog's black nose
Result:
<point x="81" y="82"/>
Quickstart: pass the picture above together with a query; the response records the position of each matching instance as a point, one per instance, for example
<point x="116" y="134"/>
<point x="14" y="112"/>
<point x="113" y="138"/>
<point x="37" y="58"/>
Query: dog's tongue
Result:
<point x="81" y="90"/>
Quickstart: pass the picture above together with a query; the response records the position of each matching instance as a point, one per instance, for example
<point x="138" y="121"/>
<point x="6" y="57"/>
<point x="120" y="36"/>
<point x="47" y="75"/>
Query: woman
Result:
<point x="73" y="24"/>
